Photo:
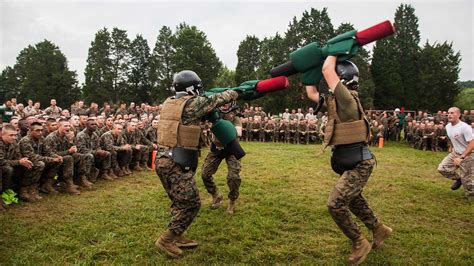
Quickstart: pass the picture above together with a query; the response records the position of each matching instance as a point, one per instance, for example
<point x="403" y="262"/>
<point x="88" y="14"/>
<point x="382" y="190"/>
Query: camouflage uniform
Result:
<point x="41" y="157"/>
<point x="214" y="159"/>
<point x="10" y="166"/>
<point x="147" y="146"/>
<point x="269" y="131"/>
<point x="73" y="164"/>
<point x="346" y="196"/>
<point x="53" y="112"/>
<point x="313" y="134"/>
<point x="302" y="133"/>
<point x="133" y="138"/>
<point x="119" y="156"/>
<point x="179" y="184"/>
<point x="151" y="134"/>
<point x="89" y="146"/>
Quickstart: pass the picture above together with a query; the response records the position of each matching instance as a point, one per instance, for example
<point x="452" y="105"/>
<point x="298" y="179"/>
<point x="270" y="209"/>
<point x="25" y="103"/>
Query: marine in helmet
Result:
<point x="347" y="131"/>
<point x="176" y="163"/>
<point x="218" y="153"/>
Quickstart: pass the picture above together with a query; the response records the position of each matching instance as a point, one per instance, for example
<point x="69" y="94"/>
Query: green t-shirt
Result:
<point x="347" y="108"/>
<point x="6" y="113"/>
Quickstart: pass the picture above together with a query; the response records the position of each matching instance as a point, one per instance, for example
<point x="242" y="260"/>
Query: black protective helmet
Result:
<point x="348" y="73"/>
<point x="187" y="81"/>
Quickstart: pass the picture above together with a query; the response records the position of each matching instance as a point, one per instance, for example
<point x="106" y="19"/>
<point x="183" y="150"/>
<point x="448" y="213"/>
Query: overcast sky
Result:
<point x="71" y="25"/>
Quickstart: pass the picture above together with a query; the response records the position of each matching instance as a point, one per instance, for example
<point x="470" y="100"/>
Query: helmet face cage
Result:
<point x="349" y="74"/>
<point x="228" y="107"/>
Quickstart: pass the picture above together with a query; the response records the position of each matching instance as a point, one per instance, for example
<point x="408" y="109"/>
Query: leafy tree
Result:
<point x="248" y="56"/>
<point x="439" y="70"/>
<point x="226" y="78"/>
<point x="385" y="71"/>
<point x="99" y="75"/>
<point x="139" y="87"/>
<point x="406" y="40"/>
<point x="465" y="99"/>
<point x="161" y="68"/>
<point x="41" y="73"/>
<point x="194" y="52"/>
<point x="466" y="84"/>
<point x="120" y="58"/>
<point x="9" y="85"/>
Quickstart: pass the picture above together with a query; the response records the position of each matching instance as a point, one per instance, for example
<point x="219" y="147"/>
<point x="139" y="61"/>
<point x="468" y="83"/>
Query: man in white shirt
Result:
<point x="461" y="136"/>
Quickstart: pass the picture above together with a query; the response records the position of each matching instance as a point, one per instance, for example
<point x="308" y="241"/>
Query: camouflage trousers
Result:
<point x="120" y="158"/>
<point x="209" y="168"/>
<point x="139" y="156"/>
<point x="465" y="172"/>
<point x="72" y="165"/>
<point x="346" y="197"/>
<point x="183" y="192"/>
<point x="9" y="175"/>
<point x="95" y="163"/>
<point x="22" y="176"/>
<point x="51" y="169"/>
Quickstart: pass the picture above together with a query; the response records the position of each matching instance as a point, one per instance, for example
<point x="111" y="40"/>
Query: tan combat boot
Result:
<point x="71" y="188"/>
<point x="85" y="183"/>
<point x="231" y="207"/>
<point x="48" y="188"/>
<point x="118" y="172"/>
<point x="24" y="195"/>
<point x="112" y="174"/>
<point x="360" y="249"/>
<point x="125" y="172"/>
<point x="34" y="192"/>
<point x="104" y="174"/>
<point x="136" y="167"/>
<point x="127" y="169"/>
<point x="166" y="243"/>
<point x="183" y="242"/>
<point x="216" y="200"/>
<point x="380" y="232"/>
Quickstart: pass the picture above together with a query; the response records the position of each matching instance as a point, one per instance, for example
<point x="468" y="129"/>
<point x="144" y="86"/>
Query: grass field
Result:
<point x="281" y="216"/>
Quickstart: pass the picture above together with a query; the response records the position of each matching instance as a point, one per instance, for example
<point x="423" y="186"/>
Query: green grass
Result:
<point x="281" y="216"/>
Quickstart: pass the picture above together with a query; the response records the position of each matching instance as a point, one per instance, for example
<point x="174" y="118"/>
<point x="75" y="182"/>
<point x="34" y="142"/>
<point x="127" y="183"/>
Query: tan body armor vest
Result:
<point x="338" y="132"/>
<point x="173" y="133"/>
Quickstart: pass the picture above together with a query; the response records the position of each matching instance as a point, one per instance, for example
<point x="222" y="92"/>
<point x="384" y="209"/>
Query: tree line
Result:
<point x="399" y="72"/>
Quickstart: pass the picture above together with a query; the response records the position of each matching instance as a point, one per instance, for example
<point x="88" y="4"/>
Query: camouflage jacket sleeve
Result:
<point x="83" y="143"/>
<point x="56" y="146"/>
<point x="143" y="139"/>
<point x="27" y="150"/>
<point x="9" y="155"/>
<point x="108" y="144"/>
<point x="151" y="134"/>
<point x="200" y="106"/>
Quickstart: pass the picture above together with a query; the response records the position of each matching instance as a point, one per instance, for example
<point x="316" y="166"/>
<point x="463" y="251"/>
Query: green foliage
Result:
<point x="466" y="84"/>
<point x="439" y="69"/>
<point x="139" y="86"/>
<point x="99" y="72"/>
<point x="194" y="52"/>
<point x="161" y="65"/>
<point x="9" y="85"/>
<point x="465" y="99"/>
<point x="248" y="56"/>
<point x="120" y="57"/>
<point x="226" y="78"/>
<point x="281" y="216"/>
<point x="40" y="73"/>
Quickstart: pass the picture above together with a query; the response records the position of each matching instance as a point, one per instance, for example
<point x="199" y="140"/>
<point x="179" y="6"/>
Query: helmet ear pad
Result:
<point x="348" y="73"/>
<point x="187" y="81"/>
